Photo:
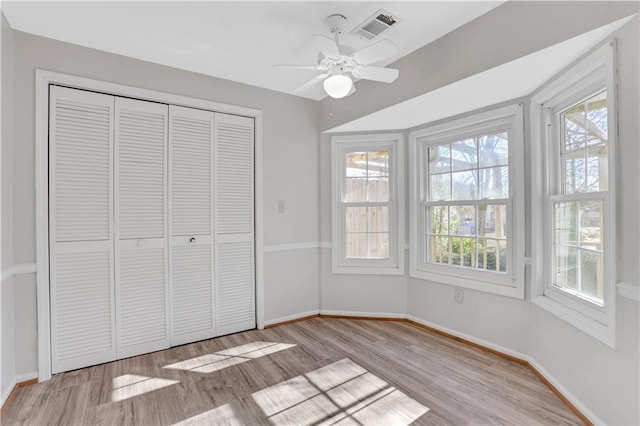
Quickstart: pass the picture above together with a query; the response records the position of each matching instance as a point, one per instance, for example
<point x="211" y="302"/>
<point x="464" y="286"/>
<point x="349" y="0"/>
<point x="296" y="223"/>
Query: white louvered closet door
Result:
<point x="191" y="222"/>
<point x="234" y="255"/>
<point x="80" y="241"/>
<point x="142" y="298"/>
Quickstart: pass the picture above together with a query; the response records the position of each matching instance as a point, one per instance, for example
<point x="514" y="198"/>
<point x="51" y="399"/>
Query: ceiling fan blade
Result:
<point x="315" y="80"/>
<point x="353" y="90"/>
<point x="385" y="75"/>
<point x="376" y="52"/>
<point x="327" y="46"/>
<point x="297" y="67"/>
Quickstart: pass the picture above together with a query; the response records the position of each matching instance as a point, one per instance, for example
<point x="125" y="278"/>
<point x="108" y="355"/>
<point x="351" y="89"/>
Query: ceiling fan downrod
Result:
<point x="335" y="23"/>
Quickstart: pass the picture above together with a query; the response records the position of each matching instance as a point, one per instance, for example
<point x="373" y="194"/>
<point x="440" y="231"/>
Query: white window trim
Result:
<point x="593" y="72"/>
<point x="394" y="265"/>
<point x="512" y="283"/>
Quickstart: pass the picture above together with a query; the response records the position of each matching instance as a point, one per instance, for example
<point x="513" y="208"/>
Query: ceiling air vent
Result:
<point x="380" y="22"/>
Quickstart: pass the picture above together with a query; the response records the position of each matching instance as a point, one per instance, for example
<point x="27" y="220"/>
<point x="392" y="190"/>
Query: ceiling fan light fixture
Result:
<point x="338" y="85"/>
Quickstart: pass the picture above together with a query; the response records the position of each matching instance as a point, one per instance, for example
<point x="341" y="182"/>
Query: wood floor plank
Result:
<point x="64" y="406"/>
<point x="104" y="415"/>
<point x="318" y="371"/>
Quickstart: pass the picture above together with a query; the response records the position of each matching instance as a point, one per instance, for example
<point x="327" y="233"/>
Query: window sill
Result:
<point x="602" y="332"/>
<point x="516" y="292"/>
<point x="368" y="270"/>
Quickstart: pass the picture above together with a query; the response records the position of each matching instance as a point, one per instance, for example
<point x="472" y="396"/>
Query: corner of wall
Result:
<point x="7" y="356"/>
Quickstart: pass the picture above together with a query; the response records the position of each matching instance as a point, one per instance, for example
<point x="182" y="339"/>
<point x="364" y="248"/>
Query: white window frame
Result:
<point x="589" y="75"/>
<point x="511" y="283"/>
<point x="340" y="145"/>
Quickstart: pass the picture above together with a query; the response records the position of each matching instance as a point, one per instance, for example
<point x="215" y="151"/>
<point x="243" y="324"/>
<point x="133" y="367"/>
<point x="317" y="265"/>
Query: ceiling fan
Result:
<point x="338" y="64"/>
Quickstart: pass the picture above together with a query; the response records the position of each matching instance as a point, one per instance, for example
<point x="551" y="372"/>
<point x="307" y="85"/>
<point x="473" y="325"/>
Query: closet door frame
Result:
<point x="44" y="79"/>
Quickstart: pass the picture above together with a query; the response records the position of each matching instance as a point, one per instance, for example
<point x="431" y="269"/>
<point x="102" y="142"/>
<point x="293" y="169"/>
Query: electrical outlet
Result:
<point x="458" y="295"/>
<point x="281" y="206"/>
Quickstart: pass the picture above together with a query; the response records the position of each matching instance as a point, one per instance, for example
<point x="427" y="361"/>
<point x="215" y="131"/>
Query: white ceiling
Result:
<point x="238" y="40"/>
<point x="505" y="82"/>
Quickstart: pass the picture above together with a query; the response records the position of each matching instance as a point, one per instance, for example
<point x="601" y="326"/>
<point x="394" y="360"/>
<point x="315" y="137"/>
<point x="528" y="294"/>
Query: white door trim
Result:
<point x="43" y="80"/>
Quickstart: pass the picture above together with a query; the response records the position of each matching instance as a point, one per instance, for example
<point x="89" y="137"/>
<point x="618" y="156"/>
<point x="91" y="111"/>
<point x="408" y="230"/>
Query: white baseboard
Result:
<point x="470" y="338"/>
<point x="330" y="312"/>
<point x="26" y="376"/>
<point x="6" y="391"/>
<point x="575" y="401"/>
<point x="568" y="395"/>
<point x="362" y="314"/>
<point x="291" y="317"/>
<point x="572" y="398"/>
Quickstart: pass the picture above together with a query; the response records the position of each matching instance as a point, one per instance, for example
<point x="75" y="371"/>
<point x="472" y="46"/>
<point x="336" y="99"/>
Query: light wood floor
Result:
<point x="320" y="371"/>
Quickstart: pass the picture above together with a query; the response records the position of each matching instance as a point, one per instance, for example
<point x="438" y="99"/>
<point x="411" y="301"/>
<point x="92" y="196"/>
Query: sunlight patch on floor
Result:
<point x="388" y="407"/>
<point x="228" y="357"/>
<point x="342" y="392"/>
<point x="222" y="415"/>
<point x="130" y="385"/>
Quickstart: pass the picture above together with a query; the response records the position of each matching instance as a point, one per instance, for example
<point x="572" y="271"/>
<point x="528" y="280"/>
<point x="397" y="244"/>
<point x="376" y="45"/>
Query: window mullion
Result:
<point x="480" y="202"/>
<point x="368" y="194"/>
<point x="579" y="196"/>
<point x="578" y="251"/>
<point x="368" y="224"/>
<point x="368" y="203"/>
<point x="450" y="183"/>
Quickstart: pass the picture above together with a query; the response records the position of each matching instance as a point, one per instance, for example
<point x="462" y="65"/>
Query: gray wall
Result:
<point x="603" y="379"/>
<point x="7" y="364"/>
<point x="347" y="293"/>
<point x="290" y="139"/>
<point x="297" y="170"/>
<point x="505" y="33"/>
<point x="607" y="380"/>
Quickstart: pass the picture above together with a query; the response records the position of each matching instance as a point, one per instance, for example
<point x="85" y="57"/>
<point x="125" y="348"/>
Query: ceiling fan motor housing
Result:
<point x="335" y="23"/>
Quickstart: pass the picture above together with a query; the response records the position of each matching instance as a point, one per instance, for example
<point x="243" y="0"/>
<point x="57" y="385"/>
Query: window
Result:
<point x="467" y="219"/>
<point x="367" y="221"/>
<point x="574" y="157"/>
<point x="578" y="208"/>
<point x="463" y="228"/>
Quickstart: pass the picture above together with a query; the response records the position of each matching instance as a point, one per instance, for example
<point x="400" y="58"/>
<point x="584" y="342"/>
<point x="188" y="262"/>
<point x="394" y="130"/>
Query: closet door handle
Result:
<point x="192" y="240"/>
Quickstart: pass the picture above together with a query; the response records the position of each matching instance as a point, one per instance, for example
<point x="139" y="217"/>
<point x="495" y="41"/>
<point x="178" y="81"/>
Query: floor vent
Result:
<point x="375" y="25"/>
